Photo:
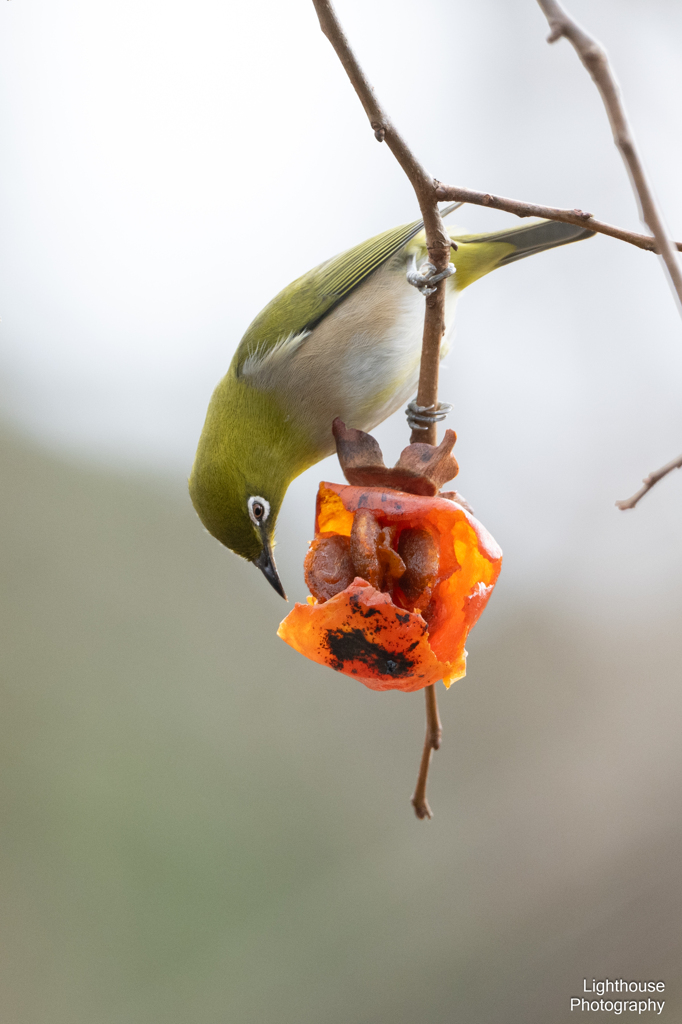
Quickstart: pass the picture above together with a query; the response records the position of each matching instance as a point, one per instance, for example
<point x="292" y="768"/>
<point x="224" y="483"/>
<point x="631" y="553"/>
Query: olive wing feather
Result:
<point x="288" y="319"/>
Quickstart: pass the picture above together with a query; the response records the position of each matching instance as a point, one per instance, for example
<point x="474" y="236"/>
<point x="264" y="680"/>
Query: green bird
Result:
<point x="343" y="340"/>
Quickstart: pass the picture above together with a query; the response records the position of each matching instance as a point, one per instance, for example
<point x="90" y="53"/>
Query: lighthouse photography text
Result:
<point x="626" y="990"/>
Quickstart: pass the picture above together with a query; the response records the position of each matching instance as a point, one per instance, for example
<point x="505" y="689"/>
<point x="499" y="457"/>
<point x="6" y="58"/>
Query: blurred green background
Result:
<point x="198" y="825"/>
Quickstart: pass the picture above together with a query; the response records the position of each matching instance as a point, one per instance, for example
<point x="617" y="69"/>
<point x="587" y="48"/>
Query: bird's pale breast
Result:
<point x="360" y="363"/>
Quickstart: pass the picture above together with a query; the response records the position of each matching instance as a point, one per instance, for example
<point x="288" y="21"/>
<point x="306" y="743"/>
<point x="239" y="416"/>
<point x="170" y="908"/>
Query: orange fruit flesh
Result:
<point x="361" y="632"/>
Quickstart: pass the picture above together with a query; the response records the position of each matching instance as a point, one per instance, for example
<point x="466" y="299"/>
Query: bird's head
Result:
<point x="244" y="518"/>
<point x="248" y="454"/>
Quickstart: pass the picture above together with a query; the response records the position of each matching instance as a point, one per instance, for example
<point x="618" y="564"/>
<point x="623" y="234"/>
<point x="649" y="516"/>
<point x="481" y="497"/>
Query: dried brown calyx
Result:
<point x="421" y="468"/>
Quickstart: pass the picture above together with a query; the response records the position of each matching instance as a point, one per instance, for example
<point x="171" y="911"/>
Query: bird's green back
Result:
<point x="299" y="307"/>
<point x="306" y="301"/>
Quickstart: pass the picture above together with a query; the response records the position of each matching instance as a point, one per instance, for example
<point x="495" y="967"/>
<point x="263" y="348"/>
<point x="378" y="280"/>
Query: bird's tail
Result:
<point x="530" y="238"/>
<point x="445" y="211"/>
<point x="479" y="254"/>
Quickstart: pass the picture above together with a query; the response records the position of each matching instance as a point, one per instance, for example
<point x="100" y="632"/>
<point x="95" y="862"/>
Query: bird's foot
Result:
<point x="426" y="279"/>
<point x="421" y="417"/>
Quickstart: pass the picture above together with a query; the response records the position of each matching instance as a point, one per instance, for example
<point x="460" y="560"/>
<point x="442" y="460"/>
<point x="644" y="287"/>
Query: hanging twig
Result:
<point x="649" y="482"/>
<point x="434" y="732"/>
<point x="594" y="57"/>
<point x="438" y="246"/>
<point x="521" y="209"/>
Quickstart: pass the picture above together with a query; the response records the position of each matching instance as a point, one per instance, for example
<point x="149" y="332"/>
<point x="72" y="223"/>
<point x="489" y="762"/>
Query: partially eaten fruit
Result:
<point x="397" y="581"/>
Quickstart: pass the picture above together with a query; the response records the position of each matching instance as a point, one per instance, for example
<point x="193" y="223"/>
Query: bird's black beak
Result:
<point x="266" y="564"/>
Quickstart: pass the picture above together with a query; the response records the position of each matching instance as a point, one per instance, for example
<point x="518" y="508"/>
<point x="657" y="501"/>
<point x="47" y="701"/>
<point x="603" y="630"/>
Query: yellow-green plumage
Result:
<point x="343" y="340"/>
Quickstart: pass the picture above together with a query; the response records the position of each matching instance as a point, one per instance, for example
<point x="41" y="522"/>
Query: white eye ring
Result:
<point x="259" y="510"/>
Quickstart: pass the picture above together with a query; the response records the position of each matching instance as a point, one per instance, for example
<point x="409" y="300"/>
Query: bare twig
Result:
<point x="649" y="482"/>
<point x="434" y="733"/>
<point x="437" y="239"/>
<point x="438" y="246"/>
<point x="594" y="57"/>
<point x="521" y="209"/>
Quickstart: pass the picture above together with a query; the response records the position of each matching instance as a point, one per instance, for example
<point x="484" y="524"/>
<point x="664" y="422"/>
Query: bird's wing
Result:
<point x="288" y="319"/>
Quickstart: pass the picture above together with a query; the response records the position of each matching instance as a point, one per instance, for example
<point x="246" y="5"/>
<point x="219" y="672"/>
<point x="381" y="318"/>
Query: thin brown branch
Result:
<point x="437" y="239"/>
<point x="434" y="733"/>
<point x="438" y="246"/>
<point x="596" y="61"/>
<point x="424" y="185"/>
<point x="521" y="209"/>
<point x="649" y="482"/>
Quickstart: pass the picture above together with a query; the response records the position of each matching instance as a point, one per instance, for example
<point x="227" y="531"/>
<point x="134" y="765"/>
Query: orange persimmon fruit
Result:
<point x="435" y="583"/>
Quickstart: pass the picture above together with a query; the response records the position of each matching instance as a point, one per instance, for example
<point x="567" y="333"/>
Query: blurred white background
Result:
<point x="167" y="169"/>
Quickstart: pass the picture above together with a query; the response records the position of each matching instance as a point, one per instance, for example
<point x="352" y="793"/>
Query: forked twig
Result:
<point x="594" y="57"/>
<point x="521" y="209"/>
<point x="438" y="246"/>
<point x="438" y="243"/>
